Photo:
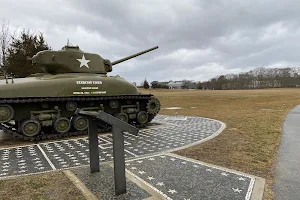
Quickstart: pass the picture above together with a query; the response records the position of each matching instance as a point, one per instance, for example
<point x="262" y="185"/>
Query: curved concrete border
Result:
<point x="223" y="126"/>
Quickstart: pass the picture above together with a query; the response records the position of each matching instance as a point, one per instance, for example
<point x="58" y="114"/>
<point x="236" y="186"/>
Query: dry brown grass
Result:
<point x="253" y="118"/>
<point x="249" y="143"/>
<point x="52" y="185"/>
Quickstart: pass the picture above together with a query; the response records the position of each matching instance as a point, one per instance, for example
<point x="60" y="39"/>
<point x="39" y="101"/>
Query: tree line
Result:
<point x="258" y="78"/>
<point x="15" y="47"/>
<point x="187" y="84"/>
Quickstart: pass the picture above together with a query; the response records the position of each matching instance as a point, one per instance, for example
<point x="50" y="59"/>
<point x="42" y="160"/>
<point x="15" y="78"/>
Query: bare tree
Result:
<point x="5" y="39"/>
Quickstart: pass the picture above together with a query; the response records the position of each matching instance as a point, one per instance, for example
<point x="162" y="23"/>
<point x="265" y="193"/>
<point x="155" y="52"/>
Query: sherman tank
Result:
<point x="42" y="106"/>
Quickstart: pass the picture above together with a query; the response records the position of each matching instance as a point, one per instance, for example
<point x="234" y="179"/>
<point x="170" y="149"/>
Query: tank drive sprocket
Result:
<point x="153" y="106"/>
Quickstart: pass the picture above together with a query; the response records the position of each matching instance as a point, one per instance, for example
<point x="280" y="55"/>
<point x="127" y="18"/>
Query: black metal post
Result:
<point x="93" y="145"/>
<point x="119" y="160"/>
<point x="118" y="126"/>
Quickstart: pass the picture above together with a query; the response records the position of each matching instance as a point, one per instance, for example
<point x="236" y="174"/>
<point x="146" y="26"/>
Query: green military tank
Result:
<point x="42" y="106"/>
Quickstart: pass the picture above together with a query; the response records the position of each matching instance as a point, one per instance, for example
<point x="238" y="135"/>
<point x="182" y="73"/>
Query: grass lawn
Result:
<point x="249" y="143"/>
<point x="51" y="185"/>
<point x="253" y="118"/>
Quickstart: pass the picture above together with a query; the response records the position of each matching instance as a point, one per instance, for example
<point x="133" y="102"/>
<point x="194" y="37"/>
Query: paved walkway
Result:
<point x="147" y="159"/>
<point x="287" y="171"/>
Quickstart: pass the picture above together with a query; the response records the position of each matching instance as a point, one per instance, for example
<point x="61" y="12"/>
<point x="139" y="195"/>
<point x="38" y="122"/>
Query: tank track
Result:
<point x="8" y="128"/>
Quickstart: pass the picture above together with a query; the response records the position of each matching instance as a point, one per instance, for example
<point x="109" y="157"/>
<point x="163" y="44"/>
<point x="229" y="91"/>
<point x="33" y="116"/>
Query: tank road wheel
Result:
<point x="62" y="125"/>
<point x="153" y="106"/>
<point x="71" y="106"/>
<point x="31" y="127"/>
<point x="6" y="113"/>
<point x="80" y="123"/>
<point x="123" y="117"/>
<point x="113" y="103"/>
<point x="142" y="117"/>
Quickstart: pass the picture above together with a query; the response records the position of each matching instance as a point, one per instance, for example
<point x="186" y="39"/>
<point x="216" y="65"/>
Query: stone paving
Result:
<point x="175" y="177"/>
<point x="172" y="132"/>
<point x="102" y="185"/>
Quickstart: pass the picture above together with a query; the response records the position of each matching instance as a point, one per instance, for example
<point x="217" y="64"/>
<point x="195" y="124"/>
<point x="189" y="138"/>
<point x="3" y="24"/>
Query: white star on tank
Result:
<point x="84" y="62"/>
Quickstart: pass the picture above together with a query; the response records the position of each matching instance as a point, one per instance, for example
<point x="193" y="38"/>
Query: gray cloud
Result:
<point x="197" y="39"/>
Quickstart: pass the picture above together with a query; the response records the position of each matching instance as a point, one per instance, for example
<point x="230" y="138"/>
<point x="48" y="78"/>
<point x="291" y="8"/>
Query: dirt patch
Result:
<point x="250" y="141"/>
<point x="52" y="185"/>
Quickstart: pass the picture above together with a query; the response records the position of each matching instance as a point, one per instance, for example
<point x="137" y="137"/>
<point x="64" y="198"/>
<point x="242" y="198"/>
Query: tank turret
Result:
<point x="72" y="59"/>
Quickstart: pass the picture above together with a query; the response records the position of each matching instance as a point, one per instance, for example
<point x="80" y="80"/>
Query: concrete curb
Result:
<point x="258" y="188"/>
<point x="155" y="195"/>
<point x="80" y="186"/>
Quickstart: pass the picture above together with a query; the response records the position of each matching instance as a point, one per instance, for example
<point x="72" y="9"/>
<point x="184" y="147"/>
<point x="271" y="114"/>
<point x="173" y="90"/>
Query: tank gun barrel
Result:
<point x="132" y="56"/>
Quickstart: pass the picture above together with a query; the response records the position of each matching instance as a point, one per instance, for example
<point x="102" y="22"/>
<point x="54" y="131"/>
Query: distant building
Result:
<point x="165" y="83"/>
<point x="190" y="85"/>
<point x="175" y="84"/>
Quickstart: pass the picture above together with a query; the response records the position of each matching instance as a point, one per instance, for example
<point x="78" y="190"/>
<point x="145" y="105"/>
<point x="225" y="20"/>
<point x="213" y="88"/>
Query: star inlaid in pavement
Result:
<point x="237" y="190"/>
<point x="160" y="184"/>
<point x="172" y="191"/>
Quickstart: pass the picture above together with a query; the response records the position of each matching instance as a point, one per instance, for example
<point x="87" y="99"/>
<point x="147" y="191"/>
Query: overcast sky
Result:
<point x="197" y="39"/>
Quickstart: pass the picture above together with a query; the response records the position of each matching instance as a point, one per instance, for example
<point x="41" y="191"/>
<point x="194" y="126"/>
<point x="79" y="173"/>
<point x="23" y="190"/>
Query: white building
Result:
<point x="175" y="84"/>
